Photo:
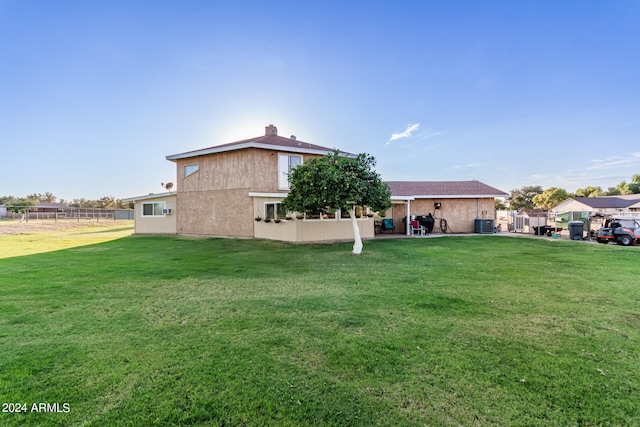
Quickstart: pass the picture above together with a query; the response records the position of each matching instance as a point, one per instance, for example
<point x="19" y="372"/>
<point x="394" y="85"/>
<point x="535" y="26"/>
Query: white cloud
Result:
<point x="631" y="160"/>
<point x="406" y="134"/>
<point x="432" y="134"/>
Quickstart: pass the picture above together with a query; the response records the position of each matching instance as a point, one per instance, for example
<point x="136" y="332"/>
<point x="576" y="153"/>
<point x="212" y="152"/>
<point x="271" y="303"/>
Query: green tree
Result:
<point x="336" y="181"/>
<point x="623" y="188"/>
<point x="550" y="198"/>
<point x="522" y="198"/>
<point x="106" y="202"/>
<point x="613" y="191"/>
<point x="39" y="197"/>
<point x="18" y="204"/>
<point x="634" y="185"/>
<point x="590" y="191"/>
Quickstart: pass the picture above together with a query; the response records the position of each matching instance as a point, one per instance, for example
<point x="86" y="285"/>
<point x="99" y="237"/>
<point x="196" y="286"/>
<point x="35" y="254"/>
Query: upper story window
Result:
<point x="190" y="169"/>
<point x="285" y="164"/>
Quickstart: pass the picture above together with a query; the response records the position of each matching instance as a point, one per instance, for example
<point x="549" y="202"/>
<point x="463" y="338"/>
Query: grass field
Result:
<point x="482" y="330"/>
<point x="45" y="236"/>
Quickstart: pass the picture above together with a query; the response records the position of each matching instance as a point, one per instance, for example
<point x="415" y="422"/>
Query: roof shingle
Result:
<point x="609" y="202"/>
<point x="443" y="189"/>
<point x="264" y="141"/>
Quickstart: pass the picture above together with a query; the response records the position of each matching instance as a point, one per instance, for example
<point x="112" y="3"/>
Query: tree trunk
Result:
<point x="357" y="243"/>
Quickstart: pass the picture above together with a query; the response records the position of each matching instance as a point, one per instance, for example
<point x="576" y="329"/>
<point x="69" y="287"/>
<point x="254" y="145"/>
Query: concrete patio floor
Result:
<point x="564" y="235"/>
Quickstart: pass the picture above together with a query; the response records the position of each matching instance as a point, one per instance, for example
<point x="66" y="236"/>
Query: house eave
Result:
<point x="269" y="195"/>
<point x="447" y="196"/>
<point x="148" y="197"/>
<point x="223" y="149"/>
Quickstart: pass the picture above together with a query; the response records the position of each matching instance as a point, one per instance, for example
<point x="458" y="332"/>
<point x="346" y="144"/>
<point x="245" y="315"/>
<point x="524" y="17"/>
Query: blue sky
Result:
<point x="95" y="94"/>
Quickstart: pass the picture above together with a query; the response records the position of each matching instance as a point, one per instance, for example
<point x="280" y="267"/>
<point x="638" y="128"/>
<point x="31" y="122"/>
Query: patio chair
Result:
<point x="387" y="224"/>
<point x="415" y="226"/>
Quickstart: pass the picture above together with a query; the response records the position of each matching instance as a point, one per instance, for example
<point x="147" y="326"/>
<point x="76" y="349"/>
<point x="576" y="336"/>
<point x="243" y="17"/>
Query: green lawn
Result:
<point x="165" y="331"/>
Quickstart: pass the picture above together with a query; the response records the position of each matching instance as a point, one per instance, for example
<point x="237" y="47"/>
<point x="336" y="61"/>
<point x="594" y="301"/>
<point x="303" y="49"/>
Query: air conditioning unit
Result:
<point x="484" y="226"/>
<point x="167" y="211"/>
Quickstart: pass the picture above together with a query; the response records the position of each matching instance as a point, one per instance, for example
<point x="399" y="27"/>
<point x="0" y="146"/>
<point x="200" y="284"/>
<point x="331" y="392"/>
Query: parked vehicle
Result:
<point x="622" y="230"/>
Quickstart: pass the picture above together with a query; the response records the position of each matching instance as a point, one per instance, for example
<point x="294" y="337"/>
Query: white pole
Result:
<point x="357" y="243"/>
<point x="408" y="218"/>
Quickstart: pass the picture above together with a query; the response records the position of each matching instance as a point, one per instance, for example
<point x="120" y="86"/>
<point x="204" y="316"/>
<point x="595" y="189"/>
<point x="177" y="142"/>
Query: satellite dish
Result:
<point x="168" y="186"/>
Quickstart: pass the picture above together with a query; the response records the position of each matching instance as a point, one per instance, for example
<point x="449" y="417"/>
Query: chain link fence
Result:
<point x="35" y="213"/>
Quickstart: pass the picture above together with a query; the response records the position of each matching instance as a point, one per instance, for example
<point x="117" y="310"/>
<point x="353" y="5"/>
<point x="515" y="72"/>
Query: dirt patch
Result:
<point x="32" y="227"/>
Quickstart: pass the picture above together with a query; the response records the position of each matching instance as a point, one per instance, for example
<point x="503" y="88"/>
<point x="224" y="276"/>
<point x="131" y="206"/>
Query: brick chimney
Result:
<point x="271" y="130"/>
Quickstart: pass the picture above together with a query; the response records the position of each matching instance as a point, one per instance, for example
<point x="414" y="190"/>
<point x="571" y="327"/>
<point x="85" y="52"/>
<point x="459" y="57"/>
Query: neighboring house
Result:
<point x="43" y="210"/>
<point x="53" y="208"/>
<point x="602" y="205"/>
<point x="592" y="210"/>
<point x="232" y="189"/>
<point x="459" y="203"/>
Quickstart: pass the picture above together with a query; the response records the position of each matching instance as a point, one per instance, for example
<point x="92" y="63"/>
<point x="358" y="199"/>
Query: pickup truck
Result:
<point x="622" y="230"/>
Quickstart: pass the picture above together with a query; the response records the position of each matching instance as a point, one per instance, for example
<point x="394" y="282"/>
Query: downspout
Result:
<point x="408" y="218"/>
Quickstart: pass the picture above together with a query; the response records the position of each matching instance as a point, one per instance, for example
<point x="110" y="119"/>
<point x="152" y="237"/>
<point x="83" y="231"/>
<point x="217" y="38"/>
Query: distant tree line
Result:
<point x="106" y="202"/>
<point x="535" y="196"/>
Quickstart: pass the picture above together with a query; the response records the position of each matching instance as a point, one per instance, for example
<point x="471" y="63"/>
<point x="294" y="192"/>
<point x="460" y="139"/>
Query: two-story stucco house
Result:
<point x="235" y="190"/>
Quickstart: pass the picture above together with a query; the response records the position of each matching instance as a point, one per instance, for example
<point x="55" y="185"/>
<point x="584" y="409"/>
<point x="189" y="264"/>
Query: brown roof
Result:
<point x="443" y="189"/>
<point x="610" y="202"/>
<point x="534" y="212"/>
<point x="265" y="142"/>
<point x="278" y="141"/>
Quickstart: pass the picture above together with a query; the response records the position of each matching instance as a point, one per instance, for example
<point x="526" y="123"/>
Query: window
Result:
<point x="273" y="211"/>
<point x="190" y="169"/>
<point x="320" y="215"/>
<point x="153" y="209"/>
<point x="361" y="212"/>
<point x="285" y="164"/>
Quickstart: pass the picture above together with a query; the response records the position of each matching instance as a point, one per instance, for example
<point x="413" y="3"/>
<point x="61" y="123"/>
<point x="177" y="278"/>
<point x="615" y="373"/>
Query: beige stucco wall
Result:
<point x="571" y="205"/>
<point x="215" y="213"/>
<point x="251" y="168"/>
<point x="459" y="213"/>
<point x="302" y="230"/>
<point x="215" y="201"/>
<point x="157" y="224"/>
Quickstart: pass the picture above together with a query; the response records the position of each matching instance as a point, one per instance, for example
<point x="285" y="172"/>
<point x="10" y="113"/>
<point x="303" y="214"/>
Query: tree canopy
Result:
<point x="522" y="198"/>
<point x="105" y="202"/>
<point x="535" y="197"/>
<point x="337" y="181"/>
<point x="550" y="198"/>
<point x="590" y="191"/>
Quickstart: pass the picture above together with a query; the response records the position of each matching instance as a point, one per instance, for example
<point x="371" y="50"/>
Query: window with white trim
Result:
<point x="273" y="210"/>
<point x="190" y="170"/>
<point x="361" y="212"/>
<point x="285" y="164"/>
<point x="327" y="216"/>
<point x="153" y="208"/>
